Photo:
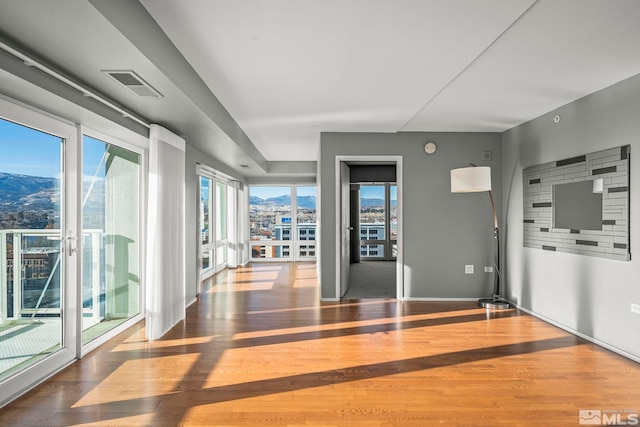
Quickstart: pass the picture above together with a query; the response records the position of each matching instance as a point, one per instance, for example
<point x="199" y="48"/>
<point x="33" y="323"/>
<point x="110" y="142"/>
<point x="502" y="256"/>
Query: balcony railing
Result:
<point x="30" y="274"/>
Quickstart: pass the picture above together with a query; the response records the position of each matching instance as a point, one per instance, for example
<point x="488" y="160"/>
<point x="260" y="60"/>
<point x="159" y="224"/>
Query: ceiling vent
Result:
<point x="133" y="82"/>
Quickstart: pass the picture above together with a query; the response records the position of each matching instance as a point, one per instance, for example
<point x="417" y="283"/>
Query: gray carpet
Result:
<point x="372" y="279"/>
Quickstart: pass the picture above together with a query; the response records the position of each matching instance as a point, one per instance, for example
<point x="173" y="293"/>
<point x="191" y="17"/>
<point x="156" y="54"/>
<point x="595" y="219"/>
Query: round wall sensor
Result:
<point x="430" y="148"/>
<point x="556" y="119"/>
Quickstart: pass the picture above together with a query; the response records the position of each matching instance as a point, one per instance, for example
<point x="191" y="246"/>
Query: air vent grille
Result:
<point x="133" y="82"/>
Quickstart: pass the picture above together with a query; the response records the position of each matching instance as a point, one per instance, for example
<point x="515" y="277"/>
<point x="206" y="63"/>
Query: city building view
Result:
<point x="281" y="233"/>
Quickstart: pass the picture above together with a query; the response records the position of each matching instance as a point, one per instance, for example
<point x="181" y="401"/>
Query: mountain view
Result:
<point x="308" y="202"/>
<point x="304" y="202"/>
<point x="29" y="202"/>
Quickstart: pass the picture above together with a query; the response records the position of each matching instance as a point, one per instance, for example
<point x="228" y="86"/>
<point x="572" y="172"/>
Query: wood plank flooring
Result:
<point x="259" y="349"/>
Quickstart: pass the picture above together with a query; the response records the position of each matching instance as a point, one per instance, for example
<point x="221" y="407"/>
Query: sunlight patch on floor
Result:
<point x="141" y="345"/>
<point x="152" y="373"/>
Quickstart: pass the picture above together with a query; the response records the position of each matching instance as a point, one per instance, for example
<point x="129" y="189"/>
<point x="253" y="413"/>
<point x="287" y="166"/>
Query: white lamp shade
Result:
<point x="471" y="179"/>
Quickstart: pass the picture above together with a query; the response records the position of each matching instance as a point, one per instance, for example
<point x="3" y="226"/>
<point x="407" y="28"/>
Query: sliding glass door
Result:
<point x="70" y="244"/>
<point x="216" y="195"/>
<point x="38" y="246"/>
<point x="30" y="245"/>
<point x="111" y="289"/>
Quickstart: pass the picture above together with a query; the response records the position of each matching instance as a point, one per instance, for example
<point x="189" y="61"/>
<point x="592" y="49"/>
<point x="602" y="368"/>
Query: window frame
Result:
<point x="295" y="244"/>
<point x="141" y="149"/>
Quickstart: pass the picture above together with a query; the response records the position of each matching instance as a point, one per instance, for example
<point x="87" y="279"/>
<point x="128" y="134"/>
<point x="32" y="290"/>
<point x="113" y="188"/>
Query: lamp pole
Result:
<point x="476" y="179"/>
<point x="495" y="302"/>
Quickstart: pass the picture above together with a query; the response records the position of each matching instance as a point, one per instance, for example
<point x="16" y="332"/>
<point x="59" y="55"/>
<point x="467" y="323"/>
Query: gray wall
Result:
<point x="585" y="294"/>
<point x="442" y="231"/>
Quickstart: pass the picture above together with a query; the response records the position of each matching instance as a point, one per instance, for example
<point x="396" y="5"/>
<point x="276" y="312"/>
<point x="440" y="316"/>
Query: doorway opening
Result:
<point x="369" y="218"/>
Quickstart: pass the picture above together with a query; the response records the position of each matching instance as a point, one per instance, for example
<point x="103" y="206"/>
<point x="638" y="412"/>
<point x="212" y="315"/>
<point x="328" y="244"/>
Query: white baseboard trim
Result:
<point x="329" y="299"/>
<point x="191" y="302"/>
<point x="579" y="334"/>
<point x="439" y="299"/>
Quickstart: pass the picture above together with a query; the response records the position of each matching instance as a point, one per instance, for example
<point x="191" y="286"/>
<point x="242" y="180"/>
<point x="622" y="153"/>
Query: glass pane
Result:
<point x="372" y="212"/>
<point x="30" y="245"/>
<point x="267" y="251"/>
<point x="221" y="211"/>
<point x="205" y="203"/>
<point x="221" y="254"/>
<point x="270" y="219"/>
<point x="206" y="260"/>
<point x="372" y="220"/>
<point x="110" y="221"/>
<point x="307" y="251"/>
<point x="306" y="213"/>
<point x="373" y="251"/>
<point x="393" y="212"/>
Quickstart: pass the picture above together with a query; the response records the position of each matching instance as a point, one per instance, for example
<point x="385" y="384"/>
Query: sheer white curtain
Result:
<point x="232" y="224"/>
<point x="165" y="289"/>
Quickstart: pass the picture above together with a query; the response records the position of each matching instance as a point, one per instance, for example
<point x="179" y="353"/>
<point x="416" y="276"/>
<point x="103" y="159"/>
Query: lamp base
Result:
<point x="493" y="303"/>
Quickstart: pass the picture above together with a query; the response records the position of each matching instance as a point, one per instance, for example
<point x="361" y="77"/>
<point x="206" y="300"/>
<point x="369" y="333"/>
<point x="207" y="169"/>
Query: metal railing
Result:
<point x="31" y="273"/>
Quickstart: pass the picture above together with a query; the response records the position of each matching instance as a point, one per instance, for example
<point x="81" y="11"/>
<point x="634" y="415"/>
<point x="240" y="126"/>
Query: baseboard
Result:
<point x="191" y="302"/>
<point x="578" y="334"/>
<point x="439" y="299"/>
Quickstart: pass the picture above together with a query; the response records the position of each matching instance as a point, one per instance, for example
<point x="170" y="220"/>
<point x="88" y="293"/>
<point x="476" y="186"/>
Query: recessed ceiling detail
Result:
<point x="133" y="82"/>
<point x="492" y="66"/>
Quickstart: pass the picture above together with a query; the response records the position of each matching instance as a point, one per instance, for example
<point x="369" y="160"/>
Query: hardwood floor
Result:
<point x="259" y="349"/>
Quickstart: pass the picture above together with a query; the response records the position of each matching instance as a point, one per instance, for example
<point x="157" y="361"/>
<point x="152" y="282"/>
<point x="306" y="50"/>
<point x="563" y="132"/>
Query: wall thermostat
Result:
<point x="430" y="147"/>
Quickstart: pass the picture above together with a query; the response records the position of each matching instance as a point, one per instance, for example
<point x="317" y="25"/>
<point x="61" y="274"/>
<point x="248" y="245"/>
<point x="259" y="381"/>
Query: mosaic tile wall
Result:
<point x="612" y="241"/>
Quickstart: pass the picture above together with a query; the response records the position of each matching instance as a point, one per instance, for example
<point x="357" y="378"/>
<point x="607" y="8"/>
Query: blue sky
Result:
<point x="27" y="151"/>
<point x="372" y="191"/>
<point x="92" y="152"/>
<point x="366" y="191"/>
<point x="270" y="192"/>
<point x="377" y="192"/>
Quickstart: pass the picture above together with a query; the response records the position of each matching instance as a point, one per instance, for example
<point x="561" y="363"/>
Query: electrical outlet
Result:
<point x="635" y="308"/>
<point x="468" y="269"/>
<point x="488" y="269"/>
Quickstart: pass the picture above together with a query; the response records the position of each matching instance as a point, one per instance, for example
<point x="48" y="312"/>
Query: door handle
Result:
<point x="73" y="244"/>
<point x="349" y="228"/>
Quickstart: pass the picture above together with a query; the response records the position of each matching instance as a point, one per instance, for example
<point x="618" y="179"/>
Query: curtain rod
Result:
<point x="31" y="62"/>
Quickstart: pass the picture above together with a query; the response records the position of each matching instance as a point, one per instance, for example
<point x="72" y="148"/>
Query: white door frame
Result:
<point x="71" y="304"/>
<point x="400" y="257"/>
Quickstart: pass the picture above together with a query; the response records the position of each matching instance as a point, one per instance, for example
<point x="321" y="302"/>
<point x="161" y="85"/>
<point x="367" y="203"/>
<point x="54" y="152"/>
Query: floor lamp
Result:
<point x="476" y="179"/>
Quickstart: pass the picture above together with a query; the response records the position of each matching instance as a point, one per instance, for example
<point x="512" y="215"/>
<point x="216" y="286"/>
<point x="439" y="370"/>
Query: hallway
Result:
<point x="371" y="279"/>
<point x="258" y="349"/>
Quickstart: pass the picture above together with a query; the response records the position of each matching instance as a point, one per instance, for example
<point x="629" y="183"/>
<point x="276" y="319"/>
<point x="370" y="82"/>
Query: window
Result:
<point x="206" y="237"/>
<point x="270" y="221"/>
<point x="378" y="221"/>
<point x="215" y="193"/>
<point x="281" y="217"/>
<point x="306" y="221"/>
<point x="30" y="246"/>
<point x="57" y="262"/>
<point x="111" y="286"/>
<point x="36" y="334"/>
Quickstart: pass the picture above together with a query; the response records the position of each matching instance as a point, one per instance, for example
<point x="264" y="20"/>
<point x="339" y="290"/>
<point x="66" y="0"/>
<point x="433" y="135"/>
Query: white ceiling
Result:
<point x="255" y="82"/>
<point x="289" y="69"/>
